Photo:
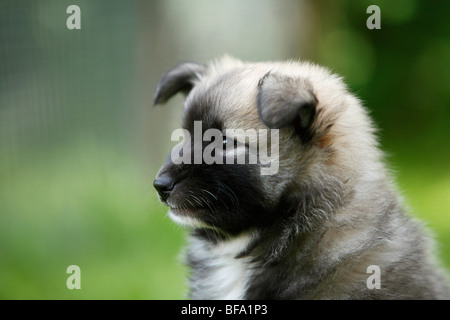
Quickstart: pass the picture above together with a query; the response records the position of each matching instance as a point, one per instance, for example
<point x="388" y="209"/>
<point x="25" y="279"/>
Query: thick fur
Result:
<point x="311" y="230"/>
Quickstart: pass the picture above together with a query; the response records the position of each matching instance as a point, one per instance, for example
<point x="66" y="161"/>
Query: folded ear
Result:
<point x="283" y="101"/>
<point x="179" y="78"/>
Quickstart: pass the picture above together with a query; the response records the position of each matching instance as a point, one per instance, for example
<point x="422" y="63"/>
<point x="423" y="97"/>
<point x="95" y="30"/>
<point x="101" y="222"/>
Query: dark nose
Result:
<point x="164" y="186"/>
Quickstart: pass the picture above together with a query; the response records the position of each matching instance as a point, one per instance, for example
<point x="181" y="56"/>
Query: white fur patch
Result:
<point x="184" y="220"/>
<point x="228" y="276"/>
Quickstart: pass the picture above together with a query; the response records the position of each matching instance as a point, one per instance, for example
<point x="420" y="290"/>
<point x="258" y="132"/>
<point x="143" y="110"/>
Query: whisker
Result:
<point x="210" y="193"/>
<point x="230" y="194"/>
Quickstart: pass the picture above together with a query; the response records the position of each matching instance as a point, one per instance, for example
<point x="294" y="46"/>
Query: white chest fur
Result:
<point x="219" y="275"/>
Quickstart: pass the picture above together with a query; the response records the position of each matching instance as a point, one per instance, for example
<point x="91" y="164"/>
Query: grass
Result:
<point x="93" y="208"/>
<point x="99" y="215"/>
<point x="426" y="190"/>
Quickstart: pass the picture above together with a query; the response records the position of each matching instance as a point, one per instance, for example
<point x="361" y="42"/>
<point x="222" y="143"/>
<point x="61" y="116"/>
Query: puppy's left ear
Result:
<point x="283" y="101"/>
<point x="180" y="78"/>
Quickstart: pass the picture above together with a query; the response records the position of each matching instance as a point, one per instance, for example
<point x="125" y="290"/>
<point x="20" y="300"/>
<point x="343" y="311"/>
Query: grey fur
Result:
<point x="179" y="78"/>
<point x="333" y="207"/>
<point x="281" y="99"/>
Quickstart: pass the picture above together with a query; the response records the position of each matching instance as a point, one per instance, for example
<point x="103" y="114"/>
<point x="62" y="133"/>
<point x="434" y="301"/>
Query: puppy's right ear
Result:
<point x="283" y="101"/>
<point x="180" y="78"/>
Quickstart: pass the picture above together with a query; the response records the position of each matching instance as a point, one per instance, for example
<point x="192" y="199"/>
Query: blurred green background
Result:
<point x="80" y="143"/>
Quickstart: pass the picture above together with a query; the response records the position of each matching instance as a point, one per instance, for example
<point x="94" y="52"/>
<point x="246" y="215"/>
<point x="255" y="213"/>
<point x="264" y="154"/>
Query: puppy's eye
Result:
<point x="226" y="141"/>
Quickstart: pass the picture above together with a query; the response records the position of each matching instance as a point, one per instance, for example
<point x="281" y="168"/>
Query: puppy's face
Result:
<point x="264" y="111"/>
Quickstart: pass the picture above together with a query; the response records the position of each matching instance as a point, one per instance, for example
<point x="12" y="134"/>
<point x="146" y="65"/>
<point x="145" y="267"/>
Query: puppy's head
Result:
<point x="278" y="117"/>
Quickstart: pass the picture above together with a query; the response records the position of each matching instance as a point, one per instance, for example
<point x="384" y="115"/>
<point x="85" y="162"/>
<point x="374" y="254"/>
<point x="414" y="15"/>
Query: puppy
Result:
<point x="325" y="223"/>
